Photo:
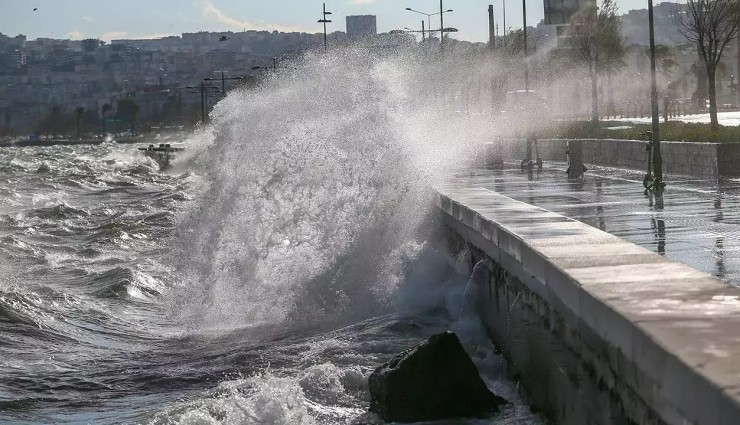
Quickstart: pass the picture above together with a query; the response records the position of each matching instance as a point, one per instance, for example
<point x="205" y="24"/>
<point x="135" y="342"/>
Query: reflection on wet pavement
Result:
<point x="697" y="223"/>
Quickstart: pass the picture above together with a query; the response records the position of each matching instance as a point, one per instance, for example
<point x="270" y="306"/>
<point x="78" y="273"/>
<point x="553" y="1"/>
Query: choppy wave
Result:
<point x="259" y="280"/>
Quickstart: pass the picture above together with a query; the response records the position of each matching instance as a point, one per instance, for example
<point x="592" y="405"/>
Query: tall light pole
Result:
<point x="203" y="89"/>
<point x="325" y="21"/>
<point x="223" y="82"/>
<point x="526" y="65"/>
<point x="491" y="28"/>
<point x="503" y="16"/>
<point x="203" y="101"/>
<point x="441" y="25"/>
<point x="657" y="158"/>
<point x="429" y="18"/>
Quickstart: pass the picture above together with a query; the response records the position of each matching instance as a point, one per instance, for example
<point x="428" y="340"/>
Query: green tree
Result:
<point x="105" y="109"/>
<point x="595" y="41"/>
<point x="612" y="47"/>
<point x="663" y="59"/>
<point x="513" y="44"/>
<point x="128" y="110"/>
<point x="79" y="113"/>
<point x="55" y="120"/>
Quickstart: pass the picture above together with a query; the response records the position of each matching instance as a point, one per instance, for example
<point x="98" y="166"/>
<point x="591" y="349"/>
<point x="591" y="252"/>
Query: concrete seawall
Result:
<point x="598" y="330"/>
<point x="680" y="158"/>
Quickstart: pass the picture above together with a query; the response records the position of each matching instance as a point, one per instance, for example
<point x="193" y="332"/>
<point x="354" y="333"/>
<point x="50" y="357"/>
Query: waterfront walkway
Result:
<point x="698" y="225"/>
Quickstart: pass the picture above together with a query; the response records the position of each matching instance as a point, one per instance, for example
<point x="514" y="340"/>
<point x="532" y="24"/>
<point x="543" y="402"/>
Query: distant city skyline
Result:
<point x="107" y="20"/>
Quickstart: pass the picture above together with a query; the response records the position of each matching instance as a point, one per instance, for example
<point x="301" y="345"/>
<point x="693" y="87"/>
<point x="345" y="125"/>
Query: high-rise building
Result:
<point x="361" y="26"/>
<point x="90" y="45"/>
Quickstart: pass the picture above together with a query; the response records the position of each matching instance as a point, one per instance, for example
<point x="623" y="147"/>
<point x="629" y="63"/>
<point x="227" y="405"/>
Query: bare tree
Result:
<point x="710" y="25"/>
<point x="595" y="41"/>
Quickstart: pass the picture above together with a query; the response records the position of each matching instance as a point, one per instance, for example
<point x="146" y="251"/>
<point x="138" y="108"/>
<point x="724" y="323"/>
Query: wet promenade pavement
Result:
<point x="698" y="224"/>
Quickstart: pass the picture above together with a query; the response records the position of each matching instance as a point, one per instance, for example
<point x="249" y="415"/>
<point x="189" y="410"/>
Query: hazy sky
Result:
<point x="108" y="19"/>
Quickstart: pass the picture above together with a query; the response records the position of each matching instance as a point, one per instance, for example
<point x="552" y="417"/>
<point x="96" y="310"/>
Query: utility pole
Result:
<point x="423" y="33"/>
<point x="441" y="25"/>
<point x="202" y="101"/>
<point x="491" y="28"/>
<point x="657" y="158"/>
<point x="504" y="18"/>
<point x="325" y="21"/>
<point x="524" y="26"/>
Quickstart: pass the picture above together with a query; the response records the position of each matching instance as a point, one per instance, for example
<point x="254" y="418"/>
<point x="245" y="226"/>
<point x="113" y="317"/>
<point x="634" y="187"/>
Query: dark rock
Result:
<point x="43" y="168"/>
<point x="435" y="380"/>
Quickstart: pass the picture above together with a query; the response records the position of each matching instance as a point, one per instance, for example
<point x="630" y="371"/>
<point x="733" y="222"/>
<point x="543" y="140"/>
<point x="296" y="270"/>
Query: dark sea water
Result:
<point x="260" y="280"/>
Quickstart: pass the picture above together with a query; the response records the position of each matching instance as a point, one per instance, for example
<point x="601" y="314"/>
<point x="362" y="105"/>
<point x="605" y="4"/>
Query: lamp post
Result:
<point x="223" y="82"/>
<point x="524" y="29"/>
<point x="429" y="18"/>
<point x="658" y="184"/>
<point x="325" y="21"/>
<point x="410" y="31"/>
<point x="503" y="16"/>
<point x="203" y="90"/>
<point x="441" y="26"/>
<point x="274" y="66"/>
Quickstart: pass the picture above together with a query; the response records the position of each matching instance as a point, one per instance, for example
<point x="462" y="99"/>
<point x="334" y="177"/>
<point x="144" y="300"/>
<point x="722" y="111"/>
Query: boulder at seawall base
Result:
<point x="435" y="380"/>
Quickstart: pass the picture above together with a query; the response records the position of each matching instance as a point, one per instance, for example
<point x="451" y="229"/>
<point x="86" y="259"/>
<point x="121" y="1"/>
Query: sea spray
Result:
<point x="309" y="230"/>
<point x="312" y="185"/>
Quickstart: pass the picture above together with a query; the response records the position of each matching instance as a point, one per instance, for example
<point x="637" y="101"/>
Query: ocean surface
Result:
<point x="260" y="280"/>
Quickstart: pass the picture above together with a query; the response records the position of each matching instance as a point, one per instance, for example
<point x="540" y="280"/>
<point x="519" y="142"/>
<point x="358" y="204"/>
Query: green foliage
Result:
<point x="663" y="58"/>
<point x="513" y="44"/>
<point x="672" y="130"/>
<point x="56" y="122"/>
<point x="128" y="111"/>
<point x="595" y="43"/>
<point x="610" y="42"/>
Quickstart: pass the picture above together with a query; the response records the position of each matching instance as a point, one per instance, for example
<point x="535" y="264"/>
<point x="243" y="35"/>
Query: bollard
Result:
<point x="574" y="153"/>
<point x="647" y="181"/>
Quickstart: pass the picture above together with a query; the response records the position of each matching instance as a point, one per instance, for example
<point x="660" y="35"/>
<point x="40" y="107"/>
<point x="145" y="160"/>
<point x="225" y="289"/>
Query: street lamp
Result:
<point x="524" y="29"/>
<point x="406" y="30"/>
<point x="429" y="17"/>
<point x="325" y="21"/>
<point x="657" y="184"/>
<point x="203" y="90"/>
<point x="223" y="81"/>
<point x="267" y="68"/>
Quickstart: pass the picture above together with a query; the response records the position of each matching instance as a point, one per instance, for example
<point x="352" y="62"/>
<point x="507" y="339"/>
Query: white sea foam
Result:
<point x="312" y="192"/>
